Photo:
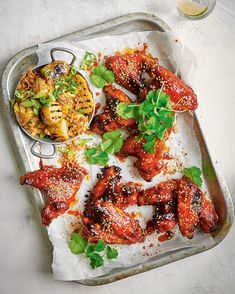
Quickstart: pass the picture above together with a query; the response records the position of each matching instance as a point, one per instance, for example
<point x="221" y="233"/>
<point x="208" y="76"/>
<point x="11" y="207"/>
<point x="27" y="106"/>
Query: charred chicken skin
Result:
<point x="175" y="201"/>
<point x="188" y="207"/>
<point x="140" y="73"/>
<point x="164" y="219"/>
<point x="59" y="185"/>
<point x="182" y="97"/>
<point x="105" y="221"/>
<point x="148" y="164"/>
<point x="129" y="69"/>
<point x="161" y="193"/>
<point x="108" y="120"/>
<point x="110" y="188"/>
<point x="208" y="217"/>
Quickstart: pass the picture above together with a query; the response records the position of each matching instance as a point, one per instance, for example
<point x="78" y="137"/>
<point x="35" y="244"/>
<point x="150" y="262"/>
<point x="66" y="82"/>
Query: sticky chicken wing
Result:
<point x="108" y="120"/>
<point x="129" y="69"/>
<point x="104" y="221"/>
<point x="148" y="164"/>
<point x="59" y="185"/>
<point x="164" y="219"/>
<point x="208" y="217"/>
<point x="182" y="97"/>
<point x="110" y="188"/>
<point x="188" y="207"/>
<point x="161" y="193"/>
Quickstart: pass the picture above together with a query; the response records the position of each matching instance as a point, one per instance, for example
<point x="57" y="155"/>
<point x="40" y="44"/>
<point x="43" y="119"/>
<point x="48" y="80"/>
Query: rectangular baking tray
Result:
<point x="19" y="142"/>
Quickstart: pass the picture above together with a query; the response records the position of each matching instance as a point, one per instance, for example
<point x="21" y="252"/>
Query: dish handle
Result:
<point x="40" y="154"/>
<point x="53" y="50"/>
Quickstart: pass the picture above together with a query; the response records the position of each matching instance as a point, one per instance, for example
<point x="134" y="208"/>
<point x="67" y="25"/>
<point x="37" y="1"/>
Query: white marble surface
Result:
<point x="25" y="255"/>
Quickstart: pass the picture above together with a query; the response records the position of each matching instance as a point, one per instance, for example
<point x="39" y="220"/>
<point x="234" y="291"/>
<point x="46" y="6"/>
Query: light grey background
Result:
<point x="25" y="253"/>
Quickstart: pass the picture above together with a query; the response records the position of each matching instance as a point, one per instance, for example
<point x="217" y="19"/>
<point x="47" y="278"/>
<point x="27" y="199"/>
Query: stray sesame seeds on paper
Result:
<point x="183" y="146"/>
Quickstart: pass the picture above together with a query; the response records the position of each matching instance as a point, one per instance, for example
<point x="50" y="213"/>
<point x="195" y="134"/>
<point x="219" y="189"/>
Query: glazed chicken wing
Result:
<point x="110" y="188"/>
<point x="182" y="97"/>
<point x="148" y="164"/>
<point x="108" y="120"/>
<point x="130" y="68"/>
<point x="164" y="219"/>
<point x="161" y="193"/>
<point x="59" y="185"/>
<point x="188" y="207"/>
<point x="104" y="221"/>
<point x="208" y="217"/>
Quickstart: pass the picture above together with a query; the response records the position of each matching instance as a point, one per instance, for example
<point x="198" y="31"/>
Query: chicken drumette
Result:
<point x="130" y="68"/>
<point x="105" y="221"/>
<point x="148" y="164"/>
<point x="110" y="188"/>
<point x="108" y="120"/>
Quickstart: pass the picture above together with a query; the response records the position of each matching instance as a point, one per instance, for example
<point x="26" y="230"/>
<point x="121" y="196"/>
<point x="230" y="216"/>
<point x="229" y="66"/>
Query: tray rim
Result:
<point x="22" y="155"/>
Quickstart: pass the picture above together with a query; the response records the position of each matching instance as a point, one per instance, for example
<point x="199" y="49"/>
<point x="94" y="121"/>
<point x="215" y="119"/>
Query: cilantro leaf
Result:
<point x="100" y="246"/>
<point x="150" y="146"/>
<point x="77" y="243"/>
<point x="127" y="110"/>
<point x="96" y="156"/>
<point x="88" y="60"/>
<point x="98" y="81"/>
<point x="96" y="260"/>
<point x="154" y="116"/>
<point x="90" y="249"/>
<point x="101" y="75"/>
<point x="194" y="173"/>
<point x="113" y="142"/>
<point x="111" y="253"/>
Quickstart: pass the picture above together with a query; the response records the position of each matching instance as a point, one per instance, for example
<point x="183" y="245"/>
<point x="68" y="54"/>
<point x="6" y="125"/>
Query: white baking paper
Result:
<point x="183" y="146"/>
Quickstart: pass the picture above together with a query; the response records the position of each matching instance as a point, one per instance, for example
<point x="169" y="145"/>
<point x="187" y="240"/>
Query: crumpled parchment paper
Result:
<point x="183" y="147"/>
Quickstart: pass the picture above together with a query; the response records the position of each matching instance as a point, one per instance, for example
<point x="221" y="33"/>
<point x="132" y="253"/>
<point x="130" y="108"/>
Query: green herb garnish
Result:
<point x="19" y="94"/>
<point x="27" y="103"/>
<point x="96" y="156"/>
<point x="88" y="60"/>
<point x="194" y="173"/>
<point x="111" y="252"/>
<point x="101" y="75"/>
<point x="112" y="142"/>
<point x="154" y="116"/>
<point x="66" y="150"/>
<point x="73" y="70"/>
<point x="79" y="244"/>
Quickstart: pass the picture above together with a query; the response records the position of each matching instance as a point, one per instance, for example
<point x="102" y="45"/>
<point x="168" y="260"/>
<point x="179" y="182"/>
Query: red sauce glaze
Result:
<point x="167" y="236"/>
<point x="59" y="186"/>
<point x="97" y="107"/>
<point x="74" y="212"/>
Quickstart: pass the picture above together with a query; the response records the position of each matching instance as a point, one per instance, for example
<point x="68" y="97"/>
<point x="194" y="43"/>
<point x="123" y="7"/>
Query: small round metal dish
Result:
<point x="39" y="142"/>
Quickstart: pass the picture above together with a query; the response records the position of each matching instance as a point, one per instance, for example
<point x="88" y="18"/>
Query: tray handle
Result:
<point x="41" y="155"/>
<point x="53" y="50"/>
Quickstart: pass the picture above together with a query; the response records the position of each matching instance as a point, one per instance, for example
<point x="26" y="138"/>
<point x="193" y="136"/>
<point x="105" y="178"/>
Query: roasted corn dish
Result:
<point x="53" y="102"/>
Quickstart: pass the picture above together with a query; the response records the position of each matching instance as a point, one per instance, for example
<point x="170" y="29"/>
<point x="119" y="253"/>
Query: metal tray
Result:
<point x="214" y="179"/>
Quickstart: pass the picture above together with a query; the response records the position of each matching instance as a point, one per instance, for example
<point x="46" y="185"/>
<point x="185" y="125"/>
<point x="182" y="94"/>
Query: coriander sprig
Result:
<point x="101" y="76"/>
<point x="80" y="245"/>
<point x="193" y="173"/>
<point x="111" y="144"/>
<point x="154" y="116"/>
